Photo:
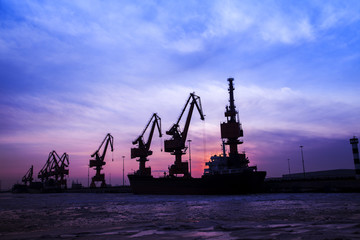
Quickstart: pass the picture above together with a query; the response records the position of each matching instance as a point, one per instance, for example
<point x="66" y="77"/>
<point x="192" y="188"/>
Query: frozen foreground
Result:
<point x="127" y="216"/>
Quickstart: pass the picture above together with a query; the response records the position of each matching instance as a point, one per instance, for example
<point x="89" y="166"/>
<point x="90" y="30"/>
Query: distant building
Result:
<point x="76" y="185"/>
<point x="329" y="174"/>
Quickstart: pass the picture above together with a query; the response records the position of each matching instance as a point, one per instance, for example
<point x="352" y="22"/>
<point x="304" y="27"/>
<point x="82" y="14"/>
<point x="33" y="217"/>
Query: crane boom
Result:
<point x="156" y="122"/>
<point x="48" y="168"/>
<point x="28" y="177"/>
<point x="196" y="101"/>
<point x="109" y="139"/>
<point x="62" y="168"/>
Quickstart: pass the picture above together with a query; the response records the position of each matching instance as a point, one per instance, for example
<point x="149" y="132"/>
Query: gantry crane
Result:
<point x="99" y="161"/>
<point x="28" y="177"/>
<point x="176" y="145"/>
<point x="143" y="149"/>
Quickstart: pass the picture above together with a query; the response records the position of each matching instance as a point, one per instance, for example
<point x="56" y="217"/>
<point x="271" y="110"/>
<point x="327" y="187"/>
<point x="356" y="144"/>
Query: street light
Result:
<point x="302" y="158"/>
<point x="88" y="175"/>
<point x="289" y="164"/>
<point x="123" y="157"/>
<point x="189" y="141"/>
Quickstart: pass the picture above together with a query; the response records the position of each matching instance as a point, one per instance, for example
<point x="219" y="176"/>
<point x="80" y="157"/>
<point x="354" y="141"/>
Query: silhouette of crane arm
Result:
<point x="142" y="150"/>
<point x="28" y="177"/>
<point x="109" y="140"/>
<point x="195" y="102"/>
<point x="177" y="142"/>
<point x="156" y="122"/>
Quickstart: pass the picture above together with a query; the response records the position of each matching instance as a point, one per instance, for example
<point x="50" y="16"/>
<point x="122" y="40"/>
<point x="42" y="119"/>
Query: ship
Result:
<point x="226" y="173"/>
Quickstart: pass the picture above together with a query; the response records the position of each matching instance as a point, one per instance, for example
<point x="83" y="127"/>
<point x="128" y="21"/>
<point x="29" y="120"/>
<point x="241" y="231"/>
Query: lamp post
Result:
<point x="123" y="157"/>
<point x="302" y="158"/>
<point x="189" y="141"/>
<point x="88" y="175"/>
<point x="289" y="164"/>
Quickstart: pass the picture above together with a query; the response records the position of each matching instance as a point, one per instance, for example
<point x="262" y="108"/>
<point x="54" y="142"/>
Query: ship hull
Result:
<point x="220" y="184"/>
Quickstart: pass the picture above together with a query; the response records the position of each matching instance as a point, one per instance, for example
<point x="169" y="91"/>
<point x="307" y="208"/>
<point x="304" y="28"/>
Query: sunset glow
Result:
<point x="73" y="71"/>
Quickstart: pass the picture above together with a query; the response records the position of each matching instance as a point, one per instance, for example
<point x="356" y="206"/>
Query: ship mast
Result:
<point x="231" y="131"/>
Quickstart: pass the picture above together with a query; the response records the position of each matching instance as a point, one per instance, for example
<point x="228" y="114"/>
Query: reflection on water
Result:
<point x="127" y="216"/>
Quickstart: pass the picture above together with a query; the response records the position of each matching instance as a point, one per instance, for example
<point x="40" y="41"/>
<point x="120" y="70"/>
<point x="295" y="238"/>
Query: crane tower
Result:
<point x="143" y="148"/>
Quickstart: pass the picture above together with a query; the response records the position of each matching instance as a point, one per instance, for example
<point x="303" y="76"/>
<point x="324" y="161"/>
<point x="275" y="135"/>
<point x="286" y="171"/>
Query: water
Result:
<point x="127" y="216"/>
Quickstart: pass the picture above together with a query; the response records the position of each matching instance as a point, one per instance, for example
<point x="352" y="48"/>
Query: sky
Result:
<point x="73" y="71"/>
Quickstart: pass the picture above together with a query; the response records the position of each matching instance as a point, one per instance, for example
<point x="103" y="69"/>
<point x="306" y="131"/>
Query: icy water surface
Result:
<point x="127" y="216"/>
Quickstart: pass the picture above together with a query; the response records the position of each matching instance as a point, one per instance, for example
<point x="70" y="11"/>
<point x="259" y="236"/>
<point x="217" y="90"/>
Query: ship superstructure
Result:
<point x="231" y="132"/>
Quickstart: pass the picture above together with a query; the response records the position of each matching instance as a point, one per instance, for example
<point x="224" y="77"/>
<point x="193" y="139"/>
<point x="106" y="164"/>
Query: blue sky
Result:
<point x="72" y="71"/>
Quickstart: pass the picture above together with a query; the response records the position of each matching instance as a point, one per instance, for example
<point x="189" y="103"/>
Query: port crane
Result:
<point x="142" y="151"/>
<point x="99" y="161"/>
<point x="28" y="177"/>
<point x="55" y="169"/>
<point x="176" y="145"/>
<point x="47" y="170"/>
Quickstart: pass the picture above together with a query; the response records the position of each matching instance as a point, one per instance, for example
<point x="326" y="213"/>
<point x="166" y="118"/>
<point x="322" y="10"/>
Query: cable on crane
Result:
<point x="204" y="139"/>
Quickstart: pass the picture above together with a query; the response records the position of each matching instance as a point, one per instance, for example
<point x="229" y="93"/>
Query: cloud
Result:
<point x="123" y="109"/>
<point x="228" y="17"/>
<point x="73" y="71"/>
<point x="335" y="14"/>
<point x="287" y="110"/>
<point x="287" y="32"/>
<point x="247" y="20"/>
<point x="187" y="45"/>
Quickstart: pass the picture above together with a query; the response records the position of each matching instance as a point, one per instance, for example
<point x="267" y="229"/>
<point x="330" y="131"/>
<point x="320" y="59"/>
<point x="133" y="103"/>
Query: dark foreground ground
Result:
<point x="127" y="216"/>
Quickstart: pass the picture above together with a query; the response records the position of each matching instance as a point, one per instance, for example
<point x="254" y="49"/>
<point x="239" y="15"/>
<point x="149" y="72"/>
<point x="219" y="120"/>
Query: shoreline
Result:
<point x="330" y="185"/>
